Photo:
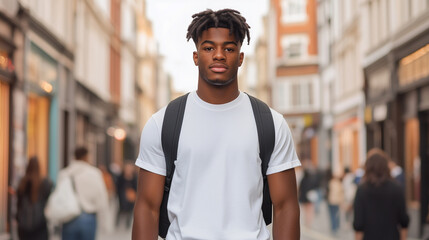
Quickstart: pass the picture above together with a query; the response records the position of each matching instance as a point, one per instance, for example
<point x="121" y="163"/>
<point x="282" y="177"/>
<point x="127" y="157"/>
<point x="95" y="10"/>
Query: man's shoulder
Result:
<point x="276" y="114"/>
<point x="157" y="117"/>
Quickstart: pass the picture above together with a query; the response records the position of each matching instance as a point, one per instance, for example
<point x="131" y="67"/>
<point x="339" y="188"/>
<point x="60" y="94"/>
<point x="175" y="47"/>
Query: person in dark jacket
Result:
<point x="126" y="189"/>
<point x="307" y="194"/>
<point x="33" y="193"/>
<point x="379" y="206"/>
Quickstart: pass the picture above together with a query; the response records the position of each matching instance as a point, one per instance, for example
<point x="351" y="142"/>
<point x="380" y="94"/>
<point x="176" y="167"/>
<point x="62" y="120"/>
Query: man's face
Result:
<point x="218" y="56"/>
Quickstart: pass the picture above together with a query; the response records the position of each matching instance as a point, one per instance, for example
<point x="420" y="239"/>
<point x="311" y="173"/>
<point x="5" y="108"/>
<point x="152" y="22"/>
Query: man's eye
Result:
<point x="229" y="49"/>
<point x="208" y="48"/>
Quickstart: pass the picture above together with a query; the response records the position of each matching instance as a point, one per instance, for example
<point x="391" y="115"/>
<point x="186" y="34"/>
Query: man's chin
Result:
<point x="219" y="83"/>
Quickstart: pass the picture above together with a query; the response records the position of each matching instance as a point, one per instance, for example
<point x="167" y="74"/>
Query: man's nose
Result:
<point x="219" y="54"/>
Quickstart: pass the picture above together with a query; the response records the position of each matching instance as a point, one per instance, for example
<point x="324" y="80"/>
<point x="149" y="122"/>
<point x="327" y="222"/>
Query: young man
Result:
<point x="216" y="191"/>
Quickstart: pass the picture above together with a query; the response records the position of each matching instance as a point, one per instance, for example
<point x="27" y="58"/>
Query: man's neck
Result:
<point x="217" y="95"/>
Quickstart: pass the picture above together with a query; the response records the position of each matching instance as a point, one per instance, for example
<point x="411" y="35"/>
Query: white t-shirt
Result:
<point x="216" y="192"/>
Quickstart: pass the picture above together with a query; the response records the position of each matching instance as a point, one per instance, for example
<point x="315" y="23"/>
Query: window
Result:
<point x="301" y="94"/>
<point x="293" y="11"/>
<point x="294" y="50"/>
<point x="104" y="6"/>
<point x="296" y="94"/>
<point x="295" y="46"/>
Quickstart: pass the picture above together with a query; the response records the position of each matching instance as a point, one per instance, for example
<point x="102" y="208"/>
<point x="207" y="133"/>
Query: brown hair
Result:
<point x="30" y="183"/>
<point x="80" y="153"/>
<point x="376" y="167"/>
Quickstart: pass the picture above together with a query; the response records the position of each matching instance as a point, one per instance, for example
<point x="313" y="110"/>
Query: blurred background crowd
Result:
<point x="348" y="76"/>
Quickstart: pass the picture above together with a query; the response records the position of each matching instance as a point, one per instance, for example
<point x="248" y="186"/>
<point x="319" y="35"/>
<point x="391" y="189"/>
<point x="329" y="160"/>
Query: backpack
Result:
<point x="170" y="133"/>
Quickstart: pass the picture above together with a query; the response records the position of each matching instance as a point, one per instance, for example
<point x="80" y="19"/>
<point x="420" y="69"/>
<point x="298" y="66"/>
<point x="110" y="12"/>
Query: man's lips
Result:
<point x="218" y="68"/>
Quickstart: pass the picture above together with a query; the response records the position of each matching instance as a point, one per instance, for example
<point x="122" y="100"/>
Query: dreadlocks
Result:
<point x="225" y="18"/>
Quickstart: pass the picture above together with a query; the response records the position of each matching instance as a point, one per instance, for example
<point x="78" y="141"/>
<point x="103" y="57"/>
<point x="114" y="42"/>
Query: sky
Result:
<point x="170" y="21"/>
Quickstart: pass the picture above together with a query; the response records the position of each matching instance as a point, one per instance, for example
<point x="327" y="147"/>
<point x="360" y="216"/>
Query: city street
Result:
<point x="318" y="231"/>
<point x="347" y="84"/>
<point x="120" y="233"/>
<point x="320" y="228"/>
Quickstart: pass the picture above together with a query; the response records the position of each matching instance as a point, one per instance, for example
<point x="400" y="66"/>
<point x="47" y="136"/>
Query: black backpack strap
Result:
<point x="170" y="134"/>
<point x="266" y="137"/>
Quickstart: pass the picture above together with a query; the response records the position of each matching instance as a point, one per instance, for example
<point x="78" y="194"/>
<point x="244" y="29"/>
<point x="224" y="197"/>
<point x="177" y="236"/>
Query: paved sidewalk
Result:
<point x="320" y="227"/>
<point x="118" y="234"/>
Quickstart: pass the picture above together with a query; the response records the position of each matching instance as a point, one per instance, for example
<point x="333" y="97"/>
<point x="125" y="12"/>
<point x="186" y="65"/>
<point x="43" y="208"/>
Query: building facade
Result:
<point x="68" y="77"/>
<point x="148" y="69"/>
<point x="11" y="41"/>
<point x="36" y="62"/>
<point x="348" y="132"/>
<point x="327" y="80"/>
<point x="94" y="112"/>
<point x="263" y="84"/>
<point x="396" y="48"/>
<point x="295" y="88"/>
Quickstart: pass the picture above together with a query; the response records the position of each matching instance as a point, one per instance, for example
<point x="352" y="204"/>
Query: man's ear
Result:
<point x="195" y="57"/>
<point x="241" y="59"/>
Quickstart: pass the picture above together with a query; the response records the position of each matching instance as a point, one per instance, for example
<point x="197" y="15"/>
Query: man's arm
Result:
<point x="150" y="190"/>
<point x="358" y="235"/>
<point x="283" y="192"/>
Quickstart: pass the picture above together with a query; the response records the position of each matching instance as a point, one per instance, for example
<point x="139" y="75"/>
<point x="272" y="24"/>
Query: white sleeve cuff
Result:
<point x="146" y="166"/>
<point x="284" y="166"/>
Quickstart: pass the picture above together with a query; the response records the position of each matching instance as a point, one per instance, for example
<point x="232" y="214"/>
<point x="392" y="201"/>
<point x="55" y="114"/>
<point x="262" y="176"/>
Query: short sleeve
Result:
<point x="151" y="156"/>
<point x="284" y="155"/>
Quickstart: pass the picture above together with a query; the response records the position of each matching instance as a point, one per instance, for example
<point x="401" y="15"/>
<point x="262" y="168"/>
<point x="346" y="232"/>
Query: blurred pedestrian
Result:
<point x="116" y="170"/>
<point x="308" y="195"/>
<point x="379" y="207"/>
<point x="320" y="189"/>
<point x="359" y="175"/>
<point x="397" y="173"/>
<point x="426" y="227"/>
<point x="350" y="188"/>
<point x="92" y="197"/>
<point x="335" y="199"/>
<point x="111" y="193"/>
<point x="108" y="181"/>
<point x="33" y="193"/>
<point x="127" y="188"/>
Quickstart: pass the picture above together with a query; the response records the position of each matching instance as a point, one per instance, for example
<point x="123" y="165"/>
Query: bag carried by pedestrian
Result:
<point x="63" y="204"/>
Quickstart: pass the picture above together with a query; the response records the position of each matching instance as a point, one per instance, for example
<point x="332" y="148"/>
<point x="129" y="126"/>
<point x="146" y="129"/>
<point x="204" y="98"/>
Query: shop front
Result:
<point x="347" y="144"/>
<point x="381" y="112"/>
<point x="413" y="94"/>
<point x="42" y="109"/>
<point x="96" y="127"/>
<point x="7" y="81"/>
<point x="6" y="76"/>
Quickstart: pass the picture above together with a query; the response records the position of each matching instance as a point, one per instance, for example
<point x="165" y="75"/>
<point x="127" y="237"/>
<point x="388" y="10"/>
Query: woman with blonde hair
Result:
<point x="379" y="207"/>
